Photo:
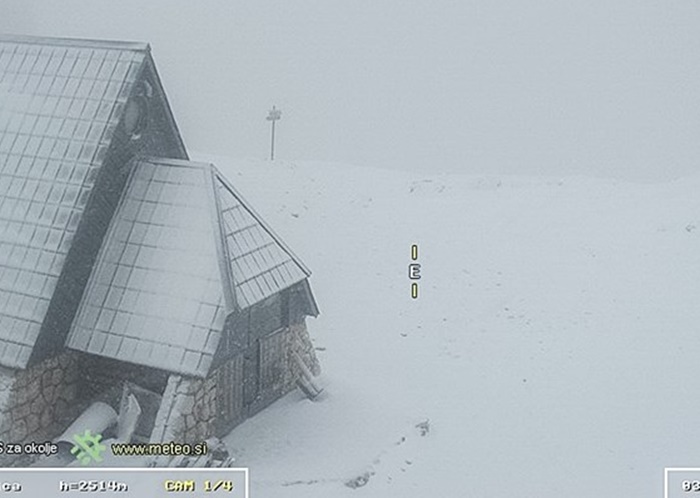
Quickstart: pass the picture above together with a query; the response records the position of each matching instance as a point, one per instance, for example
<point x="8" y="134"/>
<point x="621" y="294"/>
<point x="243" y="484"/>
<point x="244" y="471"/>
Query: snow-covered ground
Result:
<point x="554" y="350"/>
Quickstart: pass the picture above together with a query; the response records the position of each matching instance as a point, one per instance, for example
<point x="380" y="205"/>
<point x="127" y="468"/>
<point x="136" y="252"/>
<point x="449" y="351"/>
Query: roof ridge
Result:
<point x="227" y="281"/>
<point x="76" y="42"/>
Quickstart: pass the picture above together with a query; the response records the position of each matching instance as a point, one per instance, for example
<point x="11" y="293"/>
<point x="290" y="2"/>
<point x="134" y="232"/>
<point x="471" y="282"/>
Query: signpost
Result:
<point x="274" y="115"/>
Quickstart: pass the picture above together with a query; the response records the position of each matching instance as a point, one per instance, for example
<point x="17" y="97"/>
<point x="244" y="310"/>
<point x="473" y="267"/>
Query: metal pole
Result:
<point x="273" y="116"/>
<point x="272" y="145"/>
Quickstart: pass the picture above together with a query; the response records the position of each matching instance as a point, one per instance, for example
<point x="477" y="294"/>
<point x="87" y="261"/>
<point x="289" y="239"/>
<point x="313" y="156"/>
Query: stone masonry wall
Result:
<point x="301" y="343"/>
<point x="187" y="411"/>
<point x="38" y="403"/>
<point x="295" y="339"/>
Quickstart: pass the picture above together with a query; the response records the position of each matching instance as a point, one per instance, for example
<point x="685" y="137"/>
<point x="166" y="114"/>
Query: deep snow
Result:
<point x="554" y="348"/>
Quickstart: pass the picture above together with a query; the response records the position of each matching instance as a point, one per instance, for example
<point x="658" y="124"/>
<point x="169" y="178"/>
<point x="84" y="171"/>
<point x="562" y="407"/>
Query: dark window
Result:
<point x="136" y="117"/>
<point x="136" y="112"/>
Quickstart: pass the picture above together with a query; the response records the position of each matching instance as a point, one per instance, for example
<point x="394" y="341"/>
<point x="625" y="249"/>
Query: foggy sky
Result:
<point x="579" y="87"/>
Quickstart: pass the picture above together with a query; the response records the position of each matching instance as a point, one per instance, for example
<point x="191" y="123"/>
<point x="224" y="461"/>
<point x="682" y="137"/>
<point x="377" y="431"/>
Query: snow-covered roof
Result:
<point x="182" y="251"/>
<point x="60" y="102"/>
<point x="260" y="263"/>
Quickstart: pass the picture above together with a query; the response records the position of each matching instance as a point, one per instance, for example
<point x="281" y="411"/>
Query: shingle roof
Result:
<point x="261" y="264"/>
<point x="155" y="296"/>
<point x="60" y="102"/>
<point x="162" y="284"/>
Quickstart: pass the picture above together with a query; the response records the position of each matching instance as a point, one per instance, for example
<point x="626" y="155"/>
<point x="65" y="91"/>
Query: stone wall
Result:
<point x="189" y="408"/>
<point x="301" y="343"/>
<point x="279" y="370"/>
<point x="38" y="403"/>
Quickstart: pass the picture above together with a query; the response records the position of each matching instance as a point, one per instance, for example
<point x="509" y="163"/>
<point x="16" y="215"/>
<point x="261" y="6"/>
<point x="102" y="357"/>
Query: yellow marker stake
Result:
<point x="414" y="291"/>
<point x="414" y="252"/>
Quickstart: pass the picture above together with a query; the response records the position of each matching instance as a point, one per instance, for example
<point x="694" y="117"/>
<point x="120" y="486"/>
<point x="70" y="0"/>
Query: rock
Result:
<point x="27" y="393"/>
<point x="33" y="423"/>
<point x="46" y="378"/>
<point x="47" y="417"/>
<point x="202" y="412"/>
<point x="68" y="392"/>
<point x="18" y="431"/>
<point x="358" y="481"/>
<point x="21" y="380"/>
<point x="423" y="427"/>
<point x="36" y="406"/>
<point x="21" y="411"/>
<point x="71" y="374"/>
<point x="189" y="421"/>
<point x="57" y="377"/>
<point x="186" y="404"/>
<point x="50" y="393"/>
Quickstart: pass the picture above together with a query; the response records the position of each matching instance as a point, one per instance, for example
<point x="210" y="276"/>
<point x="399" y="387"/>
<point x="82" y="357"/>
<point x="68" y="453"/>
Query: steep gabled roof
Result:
<point x="60" y="103"/>
<point x="182" y="251"/>
<point x="261" y="264"/>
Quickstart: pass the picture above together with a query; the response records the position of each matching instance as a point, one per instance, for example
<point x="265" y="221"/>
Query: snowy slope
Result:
<point x="554" y="350"/>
